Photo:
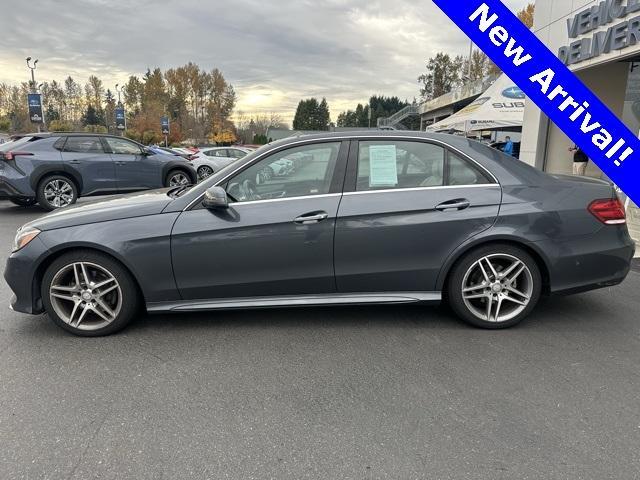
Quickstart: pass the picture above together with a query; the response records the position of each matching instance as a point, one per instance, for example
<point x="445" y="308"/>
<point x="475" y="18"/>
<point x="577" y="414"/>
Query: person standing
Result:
<point x="580" y="160"/>
<point x="508" y="147"/>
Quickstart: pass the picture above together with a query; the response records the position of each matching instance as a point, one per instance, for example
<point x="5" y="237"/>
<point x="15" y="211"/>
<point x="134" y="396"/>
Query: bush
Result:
<point x="60" y="126"/>
<point x="5" y="124"/>
<point x="95" y="129"/>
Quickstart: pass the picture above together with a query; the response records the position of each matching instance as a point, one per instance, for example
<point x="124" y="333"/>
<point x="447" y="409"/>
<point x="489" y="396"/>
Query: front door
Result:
<point x="86" y="157"/>
<point x="411" y="204"/>
<point x="276" y="238"/>
<point x="135" y="170"/>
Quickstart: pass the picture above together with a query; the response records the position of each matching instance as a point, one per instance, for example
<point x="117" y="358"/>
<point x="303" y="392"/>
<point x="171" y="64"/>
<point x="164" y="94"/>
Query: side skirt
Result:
<point x="295" y="301"/>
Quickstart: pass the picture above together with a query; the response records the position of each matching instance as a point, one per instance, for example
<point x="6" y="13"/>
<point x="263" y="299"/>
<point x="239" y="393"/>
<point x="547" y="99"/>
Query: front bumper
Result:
<point x="21" y="273"/>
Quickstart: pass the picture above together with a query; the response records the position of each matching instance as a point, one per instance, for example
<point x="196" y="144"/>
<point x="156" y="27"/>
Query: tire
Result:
<point x="204" y="171"/>
<point x="176" y="178"/>
<point x="111" y="306"/>
<point x="472" y="284"/>
<point x="56" y="191"/>
<point x="23" y="202"/>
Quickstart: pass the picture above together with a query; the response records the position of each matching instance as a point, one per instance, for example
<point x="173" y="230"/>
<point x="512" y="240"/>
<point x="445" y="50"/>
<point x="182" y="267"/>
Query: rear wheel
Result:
<point x="56" y="191"/>
<point x="23" y="202"/>
<point x="177" y="178"/>
<point x="89" y="294"/>
<point x="495" y="286"/>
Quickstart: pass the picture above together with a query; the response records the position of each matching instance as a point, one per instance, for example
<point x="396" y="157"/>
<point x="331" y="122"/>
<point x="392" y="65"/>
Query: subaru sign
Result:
<point x="121" y="122"/>
<point x="35" y="107"/>
<point x="164" y="125"/>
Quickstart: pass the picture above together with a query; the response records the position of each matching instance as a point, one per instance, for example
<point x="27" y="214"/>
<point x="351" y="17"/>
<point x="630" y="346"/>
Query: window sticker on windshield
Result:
<point x="383" y="168"/>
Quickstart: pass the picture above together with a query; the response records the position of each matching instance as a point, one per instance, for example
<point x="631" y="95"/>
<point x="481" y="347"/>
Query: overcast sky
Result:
<point x="274" y="52"/>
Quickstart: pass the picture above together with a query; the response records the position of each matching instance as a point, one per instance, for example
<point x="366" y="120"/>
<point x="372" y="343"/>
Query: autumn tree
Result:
<point x="443" y="74"/>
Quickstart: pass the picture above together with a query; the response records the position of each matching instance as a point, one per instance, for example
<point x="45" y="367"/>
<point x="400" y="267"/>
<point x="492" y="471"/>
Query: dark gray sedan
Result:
<point x="362" y="218"/>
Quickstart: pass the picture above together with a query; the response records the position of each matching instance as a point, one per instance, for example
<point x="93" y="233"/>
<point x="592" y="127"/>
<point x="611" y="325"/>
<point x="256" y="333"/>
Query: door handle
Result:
<point x="458" y="204"/>
<point x="121" y="163"/>
<point x="74" y="162"/>
<point x="309" y="218"/>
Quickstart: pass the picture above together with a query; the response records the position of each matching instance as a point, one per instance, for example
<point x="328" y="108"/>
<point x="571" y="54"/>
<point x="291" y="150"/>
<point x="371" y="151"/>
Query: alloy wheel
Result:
<point x="85" y="296"/>
<point x="178" y="180"/>
<point x="497" y="287"/>
<point x="204" y="172"/>
<point x="58" y="193"/>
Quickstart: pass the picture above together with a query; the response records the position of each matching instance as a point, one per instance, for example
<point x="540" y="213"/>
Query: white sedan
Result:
<point x="210" y="160"/>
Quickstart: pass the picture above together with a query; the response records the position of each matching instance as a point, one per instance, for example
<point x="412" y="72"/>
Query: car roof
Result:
<point x="68" y="134"/>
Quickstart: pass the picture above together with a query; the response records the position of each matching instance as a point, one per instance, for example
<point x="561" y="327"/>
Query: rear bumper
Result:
<point x="590" y="261"/>
<point x="20" y="274"/>
<point x="14" y="185"/>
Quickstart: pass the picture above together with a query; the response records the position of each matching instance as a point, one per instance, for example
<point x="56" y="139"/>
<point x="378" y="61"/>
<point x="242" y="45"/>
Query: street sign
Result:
<point x="164" y="125"/>
<point x="35" y="107"/>
<point x="121" y="121"/>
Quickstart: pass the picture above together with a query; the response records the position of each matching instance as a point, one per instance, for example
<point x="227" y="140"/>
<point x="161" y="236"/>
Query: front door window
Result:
<point x="296" y="172"/>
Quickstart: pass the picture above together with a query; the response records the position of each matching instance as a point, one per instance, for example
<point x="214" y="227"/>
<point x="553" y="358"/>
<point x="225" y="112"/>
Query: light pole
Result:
<point x="33" y="76"/>
<point x="119" y="90"/>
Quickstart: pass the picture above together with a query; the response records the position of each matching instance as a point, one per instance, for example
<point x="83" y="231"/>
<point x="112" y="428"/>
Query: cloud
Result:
<point x="273" y="52"/>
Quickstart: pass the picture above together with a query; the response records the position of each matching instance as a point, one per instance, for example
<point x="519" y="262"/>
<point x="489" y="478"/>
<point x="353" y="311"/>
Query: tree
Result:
<point x="93" y="117"/>
<point x="443" y="75"/>
<point x="312" y="115"/>
<point x="479" y="66"/>
<point x="526" y="15"/>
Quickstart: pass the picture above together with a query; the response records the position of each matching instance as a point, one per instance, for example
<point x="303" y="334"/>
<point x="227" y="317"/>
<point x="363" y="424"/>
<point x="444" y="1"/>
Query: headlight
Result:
<point x="24" y="237"/>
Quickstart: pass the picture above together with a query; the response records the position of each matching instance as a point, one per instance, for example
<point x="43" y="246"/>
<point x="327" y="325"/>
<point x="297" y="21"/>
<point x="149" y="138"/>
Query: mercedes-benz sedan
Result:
<point x="375" y="217"/>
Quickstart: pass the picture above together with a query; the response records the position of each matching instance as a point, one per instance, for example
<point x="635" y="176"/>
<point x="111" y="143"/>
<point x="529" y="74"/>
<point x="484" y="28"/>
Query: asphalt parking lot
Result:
<point x="343" y="393"/>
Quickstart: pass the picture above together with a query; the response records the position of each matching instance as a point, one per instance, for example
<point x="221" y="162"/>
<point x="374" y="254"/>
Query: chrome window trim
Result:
<point x="299" y="197"/>
<point x="363" y="138"/>
<point x="415" y="189"/>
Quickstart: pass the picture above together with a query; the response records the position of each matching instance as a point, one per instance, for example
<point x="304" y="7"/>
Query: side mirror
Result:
<point x="215" y="198"/>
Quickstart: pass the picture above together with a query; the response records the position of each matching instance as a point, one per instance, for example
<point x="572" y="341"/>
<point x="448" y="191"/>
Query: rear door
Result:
<point x="85" y="155"/>
<point x="407" y="205"/>
<point x="135" y="169"/>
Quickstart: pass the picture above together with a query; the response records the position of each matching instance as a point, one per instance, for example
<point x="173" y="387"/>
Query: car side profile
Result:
<point x="210" y="160"/>
<point x="55" y="169"/>
<point x="363" y="218"/>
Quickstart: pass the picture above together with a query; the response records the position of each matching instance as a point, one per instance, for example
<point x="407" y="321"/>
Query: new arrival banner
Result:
<point x="35" y="107"/>
<point x="552" y="87"/>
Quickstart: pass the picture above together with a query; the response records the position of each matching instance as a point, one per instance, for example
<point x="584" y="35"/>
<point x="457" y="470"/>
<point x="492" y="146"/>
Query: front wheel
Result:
<point x="177" y="178"/>
<point x="204" y="171"/>
<point x="89" y="294"/>
<point x="495" y="286"/>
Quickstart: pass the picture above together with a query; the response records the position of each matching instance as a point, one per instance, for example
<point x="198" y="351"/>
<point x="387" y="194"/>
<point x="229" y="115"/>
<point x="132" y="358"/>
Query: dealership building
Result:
<point x="600" y="42"/>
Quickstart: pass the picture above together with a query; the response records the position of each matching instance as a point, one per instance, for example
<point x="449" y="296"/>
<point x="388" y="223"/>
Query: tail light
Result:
<point x="10" y="156"/>
<point x="608" y="210"/>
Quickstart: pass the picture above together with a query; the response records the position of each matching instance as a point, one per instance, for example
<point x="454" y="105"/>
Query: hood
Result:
<point x="151" y="202"/>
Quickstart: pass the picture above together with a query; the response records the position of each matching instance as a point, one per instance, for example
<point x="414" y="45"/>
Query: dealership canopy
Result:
<point x="500" y="107"/>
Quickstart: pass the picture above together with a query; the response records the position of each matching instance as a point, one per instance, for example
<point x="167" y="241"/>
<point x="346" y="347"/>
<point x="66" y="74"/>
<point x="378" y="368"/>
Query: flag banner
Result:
<point x="547" y="81"/>
<point x="121" y="121"/>
<point x="164" y="125"/>
<point x="35" y="107"/>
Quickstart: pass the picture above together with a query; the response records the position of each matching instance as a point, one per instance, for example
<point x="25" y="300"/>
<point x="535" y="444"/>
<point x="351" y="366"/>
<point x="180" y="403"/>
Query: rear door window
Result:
<point x="83" y="145"/>
<point x="392" y="164"/>
<point x="462" y="172"/>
